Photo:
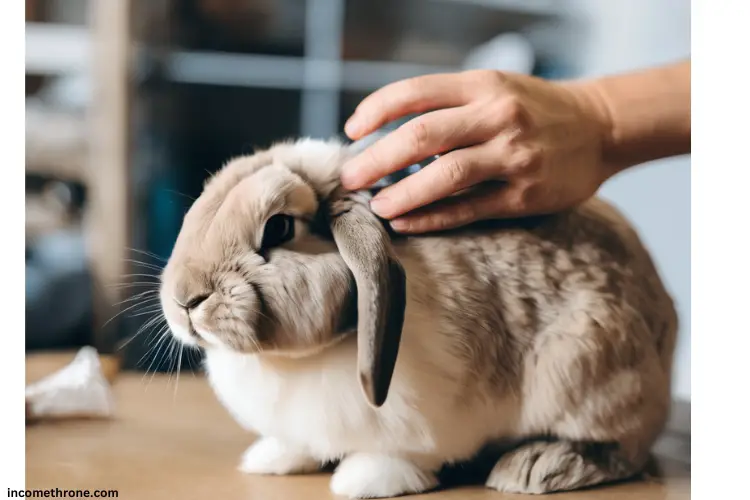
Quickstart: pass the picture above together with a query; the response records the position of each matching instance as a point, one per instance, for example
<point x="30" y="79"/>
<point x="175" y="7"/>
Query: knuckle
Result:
<point x="506" y="113"/>
<point x="485" y="78"/>
<point x="371" y="161"/>
<point x="527" y="161"/>
<point x="512" y="110"/>
<point x="525" y="197"/>
<point x="440" y="222"/>
<point x="403" y="194"/>
<point x="533" y="160"/>
<point x="494" y="110"/>
<point x="456" y="172"/>
<point x="516" y="202"/>
<point x="465" y="212"/>
<point x="420" y="134"/>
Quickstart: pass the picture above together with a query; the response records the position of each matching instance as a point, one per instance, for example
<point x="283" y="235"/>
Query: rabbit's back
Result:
<point x="552" y="309"/>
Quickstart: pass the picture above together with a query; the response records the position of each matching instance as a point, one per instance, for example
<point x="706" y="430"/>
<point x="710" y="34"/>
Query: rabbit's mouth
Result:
<point x="210" y="326"/>
<point x="242" y="337"/>
<point x="208" y="337"/>
<point x="239" y="342"/>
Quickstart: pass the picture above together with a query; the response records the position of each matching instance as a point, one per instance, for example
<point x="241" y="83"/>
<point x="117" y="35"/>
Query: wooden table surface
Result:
<point x="173" y="440"/>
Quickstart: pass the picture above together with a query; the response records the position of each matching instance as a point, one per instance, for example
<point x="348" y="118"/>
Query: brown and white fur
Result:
<point x="556" y="330"/>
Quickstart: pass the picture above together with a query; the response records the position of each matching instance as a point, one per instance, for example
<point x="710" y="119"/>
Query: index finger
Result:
<point x="423" y="137"/>
<point x="413" y="95"/>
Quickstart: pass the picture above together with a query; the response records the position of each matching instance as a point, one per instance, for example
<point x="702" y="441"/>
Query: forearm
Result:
<point x="646" y="114"/>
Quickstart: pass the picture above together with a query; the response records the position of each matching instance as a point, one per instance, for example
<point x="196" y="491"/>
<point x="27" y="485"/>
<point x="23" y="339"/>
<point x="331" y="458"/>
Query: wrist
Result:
<point x="645" y="115"/>
<point x="591" y="100"/>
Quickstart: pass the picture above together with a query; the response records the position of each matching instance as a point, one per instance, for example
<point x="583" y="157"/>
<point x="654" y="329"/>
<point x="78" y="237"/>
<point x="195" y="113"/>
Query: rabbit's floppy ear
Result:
<point x="381" y="289"/>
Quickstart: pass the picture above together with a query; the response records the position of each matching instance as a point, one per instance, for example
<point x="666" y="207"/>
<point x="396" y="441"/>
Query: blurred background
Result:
<point x="131" y="104"/>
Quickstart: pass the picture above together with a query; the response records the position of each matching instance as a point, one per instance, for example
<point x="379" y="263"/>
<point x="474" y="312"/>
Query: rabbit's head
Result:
<point x="275" y="257"/>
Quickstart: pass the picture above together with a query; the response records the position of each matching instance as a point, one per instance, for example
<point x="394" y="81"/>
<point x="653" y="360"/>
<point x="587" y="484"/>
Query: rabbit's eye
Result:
<point x="279" y="229"/>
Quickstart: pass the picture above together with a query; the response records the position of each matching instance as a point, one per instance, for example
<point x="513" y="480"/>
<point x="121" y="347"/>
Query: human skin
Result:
<point x="513" y="145"/>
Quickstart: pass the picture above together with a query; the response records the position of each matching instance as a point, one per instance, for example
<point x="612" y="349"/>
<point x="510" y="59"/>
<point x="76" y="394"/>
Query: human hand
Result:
<point x="512" y="145"/>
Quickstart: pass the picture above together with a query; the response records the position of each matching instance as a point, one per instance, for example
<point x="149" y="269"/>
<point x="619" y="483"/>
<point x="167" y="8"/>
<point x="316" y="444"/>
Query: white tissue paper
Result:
<point x="77" y="390"/>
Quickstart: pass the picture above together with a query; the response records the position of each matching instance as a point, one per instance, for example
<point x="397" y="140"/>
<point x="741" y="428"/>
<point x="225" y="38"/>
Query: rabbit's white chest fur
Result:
<point x="316" y="404"/>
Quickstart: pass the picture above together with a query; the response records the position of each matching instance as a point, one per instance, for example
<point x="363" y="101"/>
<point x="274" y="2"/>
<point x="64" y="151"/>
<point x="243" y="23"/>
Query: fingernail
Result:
<point x="400" y="225"/>
<point x="380" y="205"/>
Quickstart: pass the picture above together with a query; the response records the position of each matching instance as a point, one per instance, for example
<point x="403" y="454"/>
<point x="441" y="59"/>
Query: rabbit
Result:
<point x="336" y="341"/>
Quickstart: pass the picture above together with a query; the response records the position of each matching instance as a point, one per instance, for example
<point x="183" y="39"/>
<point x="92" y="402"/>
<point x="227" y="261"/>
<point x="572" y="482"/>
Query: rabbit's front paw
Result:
<point x="364" y="475"/>
<point x="270" y="456"/>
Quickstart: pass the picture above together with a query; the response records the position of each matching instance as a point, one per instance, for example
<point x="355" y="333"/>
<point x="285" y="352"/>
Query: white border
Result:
<point x="721" y="262"/>
<point x="720" y="251"/>
<point x="12" y="84"/>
